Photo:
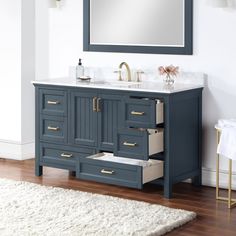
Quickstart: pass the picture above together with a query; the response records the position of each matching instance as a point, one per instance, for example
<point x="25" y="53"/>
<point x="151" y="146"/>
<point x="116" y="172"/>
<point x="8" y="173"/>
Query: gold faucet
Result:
<point x="127" y="69"/>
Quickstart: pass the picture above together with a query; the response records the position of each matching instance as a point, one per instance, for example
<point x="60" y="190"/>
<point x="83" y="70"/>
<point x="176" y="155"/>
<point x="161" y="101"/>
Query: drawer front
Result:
<point x="53" y="102"/>
<point x="132" y="143"/>
<point x="140" y="113"/>
<point x="109" y="172"/>
<point x="63" y="157"/>
<point x="53" y="129"/>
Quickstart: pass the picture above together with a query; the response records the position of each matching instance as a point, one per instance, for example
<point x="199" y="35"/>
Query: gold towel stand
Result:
<point x="231" y="201"/>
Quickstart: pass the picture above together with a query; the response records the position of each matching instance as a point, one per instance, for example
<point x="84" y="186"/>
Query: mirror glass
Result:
<point x="139" y="26"/>
<point x="127" y="22"/>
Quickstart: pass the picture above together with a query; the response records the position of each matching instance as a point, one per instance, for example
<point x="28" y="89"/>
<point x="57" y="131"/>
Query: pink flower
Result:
<point x="168" y="70"/>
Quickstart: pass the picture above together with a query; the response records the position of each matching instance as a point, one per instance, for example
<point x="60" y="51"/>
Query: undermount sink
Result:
<point x="116" y="83"/>
<point x="126" y="83"/>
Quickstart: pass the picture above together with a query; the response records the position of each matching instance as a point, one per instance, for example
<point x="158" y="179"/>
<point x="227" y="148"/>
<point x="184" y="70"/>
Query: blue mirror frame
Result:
<point x="187" y="49"/>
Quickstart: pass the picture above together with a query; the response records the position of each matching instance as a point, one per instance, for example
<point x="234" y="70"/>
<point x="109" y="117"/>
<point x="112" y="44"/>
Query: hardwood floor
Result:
<point x="213" y="217"/>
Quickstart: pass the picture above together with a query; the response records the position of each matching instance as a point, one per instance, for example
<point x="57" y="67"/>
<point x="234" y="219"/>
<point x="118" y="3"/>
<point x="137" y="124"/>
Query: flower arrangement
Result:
<point x="169" y="72"/>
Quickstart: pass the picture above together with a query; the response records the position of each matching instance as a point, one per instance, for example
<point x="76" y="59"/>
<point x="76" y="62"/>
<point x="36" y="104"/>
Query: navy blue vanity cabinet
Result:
<point x="74" y="123"/>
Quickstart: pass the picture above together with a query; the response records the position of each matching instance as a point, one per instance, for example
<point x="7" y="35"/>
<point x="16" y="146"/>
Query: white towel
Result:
<point x="227" y="144"/>
<point x="226" y="123"/>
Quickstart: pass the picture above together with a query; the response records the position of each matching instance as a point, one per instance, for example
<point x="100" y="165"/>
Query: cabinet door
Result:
<point x="109" y="119"/>
<point x="83" y="125"/>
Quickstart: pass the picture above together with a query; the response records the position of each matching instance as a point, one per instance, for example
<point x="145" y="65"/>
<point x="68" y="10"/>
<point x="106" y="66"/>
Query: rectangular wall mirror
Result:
<point x="138" y="26"/>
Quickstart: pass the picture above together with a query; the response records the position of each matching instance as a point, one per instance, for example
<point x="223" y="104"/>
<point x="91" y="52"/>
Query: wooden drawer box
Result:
<point x="53" y="102"/>
<point x="106" y="168"/>
<point x="53" y="128"/>
<point x="138" y="143"/>
<point x="143" y="113"/>
<point x="61" y="156"/>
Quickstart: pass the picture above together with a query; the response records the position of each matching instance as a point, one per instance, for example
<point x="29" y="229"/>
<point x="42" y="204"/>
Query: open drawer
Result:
<point x="107" y="168"/>
<point x="139" y="143"/>
<point x="143" y="112"/>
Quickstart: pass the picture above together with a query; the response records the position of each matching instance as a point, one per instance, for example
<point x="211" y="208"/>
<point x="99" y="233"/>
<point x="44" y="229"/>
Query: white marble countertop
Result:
<point x="145" y="86"/>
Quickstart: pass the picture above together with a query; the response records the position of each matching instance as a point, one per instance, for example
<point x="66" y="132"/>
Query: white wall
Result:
<point x="17" y="59"/>
<point x="10" y="72"/>
<point x="214" y="54"/>
<point x="27" y="70"/>
<point x="41" y="39"/>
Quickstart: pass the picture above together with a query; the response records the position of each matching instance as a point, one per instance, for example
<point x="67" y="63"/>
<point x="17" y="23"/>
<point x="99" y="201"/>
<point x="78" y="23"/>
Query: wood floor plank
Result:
<point x="213" y="217"/>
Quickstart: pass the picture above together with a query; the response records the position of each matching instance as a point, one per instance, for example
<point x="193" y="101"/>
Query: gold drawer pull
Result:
<point x="94" y="104"/>
<point x="66" y="155"/>
<point x="130" y="144"/>
<point x="53" y="102"/>
<point x="98" y="105"/>
<point x="108" y="172"/>
<point x="53" y="128"/>
<point x="137" y="113"/>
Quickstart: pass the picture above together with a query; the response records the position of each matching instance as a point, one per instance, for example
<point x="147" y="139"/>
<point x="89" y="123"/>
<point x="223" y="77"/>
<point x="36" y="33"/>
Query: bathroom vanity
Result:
<point x="122" y="134"/>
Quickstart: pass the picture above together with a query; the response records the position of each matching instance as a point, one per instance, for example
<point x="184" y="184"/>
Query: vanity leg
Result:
<point x="38" y="170"/>
<point x="168" y="190"/>
<point x="72" y="173"/>
<point x="197" y="180"/>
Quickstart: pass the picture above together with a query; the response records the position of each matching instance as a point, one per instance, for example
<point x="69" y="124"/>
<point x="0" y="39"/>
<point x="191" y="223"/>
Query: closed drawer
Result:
<point x="106" y="168"/>
<point x="63" y="157"/>
<point x="138" y="143"/>
<point x="53" y="128"/>
<point x="53" y="102"/>
<point x="143" y="113"/>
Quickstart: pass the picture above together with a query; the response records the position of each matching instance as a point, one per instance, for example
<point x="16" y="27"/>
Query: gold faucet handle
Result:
<point x="119" y="74"/>
<point x="139" y="73"/>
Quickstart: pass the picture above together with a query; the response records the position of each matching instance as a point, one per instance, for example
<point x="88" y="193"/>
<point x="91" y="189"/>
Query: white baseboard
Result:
<point x="209" y="178"/>
<point x="16" y="151"/>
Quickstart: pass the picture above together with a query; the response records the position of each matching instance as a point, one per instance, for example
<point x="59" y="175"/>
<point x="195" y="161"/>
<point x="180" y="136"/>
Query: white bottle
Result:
<point x="79" y="70"/>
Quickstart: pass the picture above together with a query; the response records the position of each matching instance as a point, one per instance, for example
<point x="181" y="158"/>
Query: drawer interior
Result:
<point x="155" y="141"/>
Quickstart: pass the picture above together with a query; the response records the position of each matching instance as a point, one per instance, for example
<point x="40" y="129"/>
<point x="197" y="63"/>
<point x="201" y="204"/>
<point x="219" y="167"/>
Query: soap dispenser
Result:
<point x="79" y="69"/>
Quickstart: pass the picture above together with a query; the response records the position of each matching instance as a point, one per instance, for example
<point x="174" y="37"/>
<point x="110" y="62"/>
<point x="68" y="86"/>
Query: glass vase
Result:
<point x="169" y="80"/>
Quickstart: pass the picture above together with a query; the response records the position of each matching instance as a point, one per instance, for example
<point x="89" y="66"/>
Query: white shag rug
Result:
<point x="31" y="209"/>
